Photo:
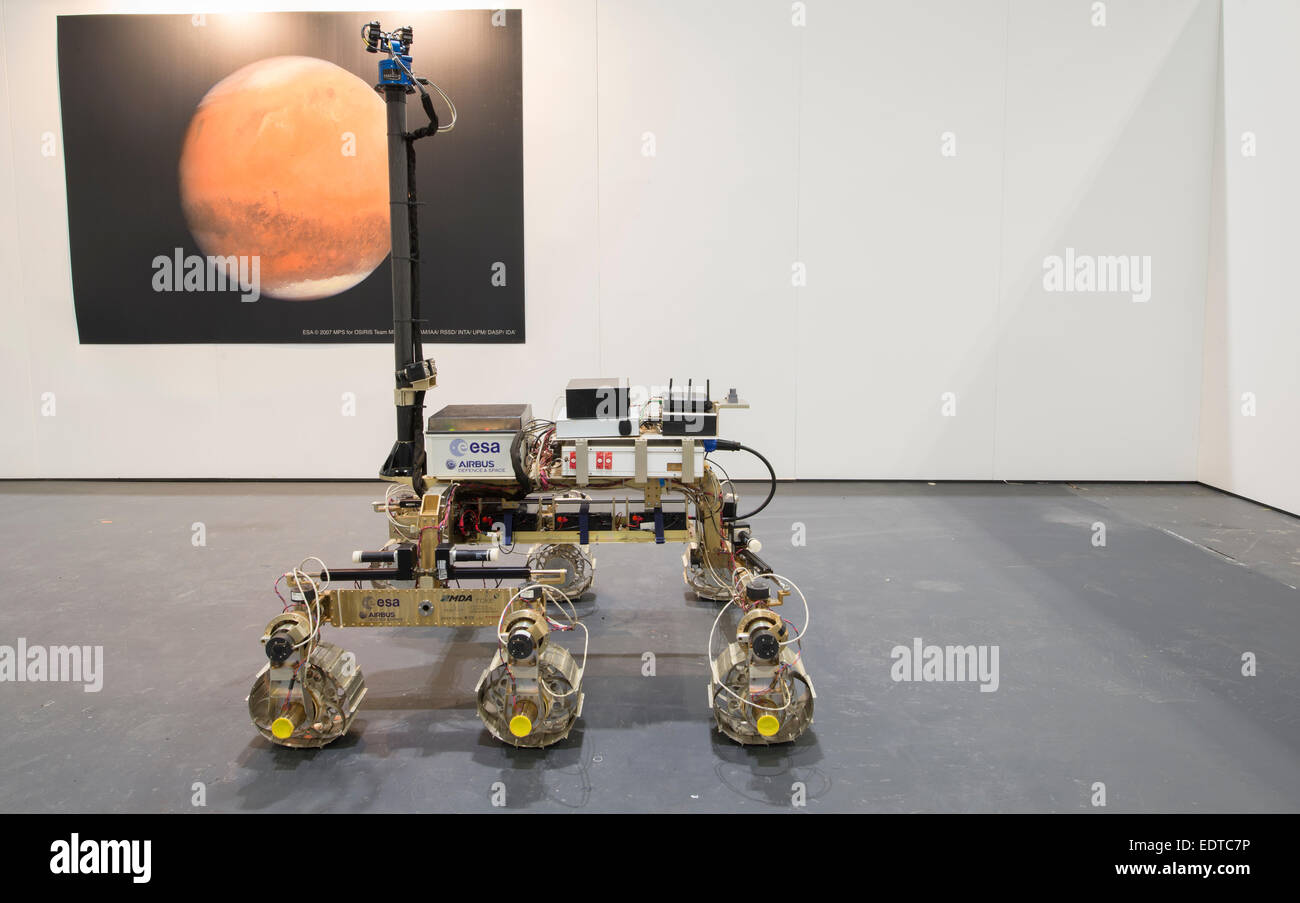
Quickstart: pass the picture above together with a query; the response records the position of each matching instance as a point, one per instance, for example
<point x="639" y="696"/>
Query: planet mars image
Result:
<point x="287" y="159"/>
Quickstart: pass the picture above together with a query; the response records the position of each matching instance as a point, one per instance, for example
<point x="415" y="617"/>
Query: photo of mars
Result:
<point x="286" y="159"/>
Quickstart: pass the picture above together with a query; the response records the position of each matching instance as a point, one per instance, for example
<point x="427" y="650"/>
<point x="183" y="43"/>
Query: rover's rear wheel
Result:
<point x="579" y="568"/>
<point x="309" y="705"/>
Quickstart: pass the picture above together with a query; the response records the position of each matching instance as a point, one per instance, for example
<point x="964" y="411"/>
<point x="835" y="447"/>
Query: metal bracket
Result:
<point x="642" y="459"/>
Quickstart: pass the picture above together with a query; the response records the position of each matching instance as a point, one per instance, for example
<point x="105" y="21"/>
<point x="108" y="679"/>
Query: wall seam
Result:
<point x="1218" y="148"/>
<point x="1002" y="231"/>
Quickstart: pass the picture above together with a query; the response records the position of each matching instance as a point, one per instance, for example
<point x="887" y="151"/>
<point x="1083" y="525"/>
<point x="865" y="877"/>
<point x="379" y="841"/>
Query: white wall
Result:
<point x="1108" y="152"/>
<point x="1252" y="320"/>
<point x="774" y="144"/>
<point x="696" y="241"/>
<point x="902" y="243"/>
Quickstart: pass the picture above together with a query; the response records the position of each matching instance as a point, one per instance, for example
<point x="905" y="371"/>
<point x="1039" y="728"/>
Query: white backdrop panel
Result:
<point x="1250" y="418"/>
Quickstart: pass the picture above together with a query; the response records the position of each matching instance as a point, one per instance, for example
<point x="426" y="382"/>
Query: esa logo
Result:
<point x="381" y="609"/>
<point x="461" y="447"/>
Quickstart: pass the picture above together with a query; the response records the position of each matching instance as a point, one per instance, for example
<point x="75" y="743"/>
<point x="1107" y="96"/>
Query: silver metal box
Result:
<point x="472" y="441"/>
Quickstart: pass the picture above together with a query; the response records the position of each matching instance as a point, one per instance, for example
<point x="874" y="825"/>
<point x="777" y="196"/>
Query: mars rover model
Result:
<point x="478" y="482"/>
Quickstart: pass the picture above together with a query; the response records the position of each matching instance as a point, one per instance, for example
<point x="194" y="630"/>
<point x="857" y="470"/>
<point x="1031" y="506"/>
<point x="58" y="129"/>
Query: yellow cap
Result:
<point x="521" y="725"/>
<point x="282" y="728"/>
<point x="768" y="725"/>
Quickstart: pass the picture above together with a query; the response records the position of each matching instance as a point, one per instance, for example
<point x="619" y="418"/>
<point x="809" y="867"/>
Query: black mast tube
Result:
<point x="407" y="457"/>
<point x="399" y="199"/>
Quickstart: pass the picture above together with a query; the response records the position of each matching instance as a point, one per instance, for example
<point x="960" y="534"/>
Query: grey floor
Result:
<point x="1118" y="665"/>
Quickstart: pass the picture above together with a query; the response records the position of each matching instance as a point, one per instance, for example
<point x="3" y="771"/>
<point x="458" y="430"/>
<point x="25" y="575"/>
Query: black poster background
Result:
<point x="129" y="85"/>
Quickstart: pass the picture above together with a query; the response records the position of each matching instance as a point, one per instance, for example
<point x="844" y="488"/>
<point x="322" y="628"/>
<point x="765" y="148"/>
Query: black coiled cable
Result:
<point x="728" y="445"/>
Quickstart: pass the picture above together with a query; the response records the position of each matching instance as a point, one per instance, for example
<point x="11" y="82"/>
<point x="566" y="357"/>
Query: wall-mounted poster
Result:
<point x="228" y="177"/>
